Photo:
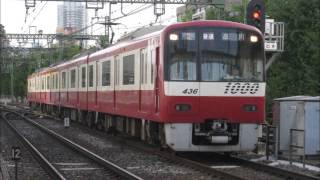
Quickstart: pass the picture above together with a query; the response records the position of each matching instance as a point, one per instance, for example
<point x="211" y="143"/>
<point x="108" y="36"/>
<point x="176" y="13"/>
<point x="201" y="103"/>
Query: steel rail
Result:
<point x="48" y="167"/>
<point x="179" y="160"/>
<point x="274" y="170"/>
<point x="96" y="158"/>
<point x="261" y="167"/>
<point x="200" y="166"/>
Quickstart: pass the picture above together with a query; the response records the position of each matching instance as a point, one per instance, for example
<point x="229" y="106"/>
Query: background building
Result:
<point x="72" y="17"/>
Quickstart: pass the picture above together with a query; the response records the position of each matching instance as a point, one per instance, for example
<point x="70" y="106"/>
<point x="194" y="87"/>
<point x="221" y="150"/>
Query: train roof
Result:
<point x="145" y="33"/>
<point x="141" y="32"/>
<point x="216" y="23"/>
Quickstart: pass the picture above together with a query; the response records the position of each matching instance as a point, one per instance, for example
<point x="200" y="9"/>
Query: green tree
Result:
<point x="187" y="16"/>
<point x="26" y="63"/>
<point x="103" y="41"/>
<point x="297" y="71"/>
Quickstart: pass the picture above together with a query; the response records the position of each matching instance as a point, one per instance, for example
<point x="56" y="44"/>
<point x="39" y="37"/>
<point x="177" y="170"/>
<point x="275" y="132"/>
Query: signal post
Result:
<point x="273" y="31"/>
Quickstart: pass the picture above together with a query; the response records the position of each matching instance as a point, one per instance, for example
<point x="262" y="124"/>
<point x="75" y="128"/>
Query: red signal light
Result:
<point x="256" y="15"/>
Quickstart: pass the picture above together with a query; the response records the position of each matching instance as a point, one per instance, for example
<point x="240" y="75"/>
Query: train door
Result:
<point x="83" y="86"/>
<point x="96" y="74"/>
<point x="92" y="85"/>
<point x="143" y="80"/>
<point x="78" y="75"/>
<point x="51" y="88"/>
<point x="156" y="79"/>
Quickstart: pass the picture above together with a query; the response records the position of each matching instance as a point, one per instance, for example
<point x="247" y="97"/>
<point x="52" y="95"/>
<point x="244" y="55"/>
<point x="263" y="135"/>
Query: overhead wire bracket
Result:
<point x="98" y="4"/>
<point x="159" y="7"/>
<point x="30" y="3"/>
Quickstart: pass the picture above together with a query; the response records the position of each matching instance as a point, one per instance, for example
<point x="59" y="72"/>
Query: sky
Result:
<point x="44" y="17"/>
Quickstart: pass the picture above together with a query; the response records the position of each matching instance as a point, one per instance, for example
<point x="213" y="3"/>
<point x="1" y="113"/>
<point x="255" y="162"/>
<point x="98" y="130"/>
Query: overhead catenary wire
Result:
<point x="35" y="17"/>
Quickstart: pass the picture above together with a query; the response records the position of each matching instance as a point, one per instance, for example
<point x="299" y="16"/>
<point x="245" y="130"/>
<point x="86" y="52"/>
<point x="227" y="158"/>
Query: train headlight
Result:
<point x="183" y="107"/>
<point x="173" y="37"/>
<point x="253" y="38"/>
<point x="250" y="108"/>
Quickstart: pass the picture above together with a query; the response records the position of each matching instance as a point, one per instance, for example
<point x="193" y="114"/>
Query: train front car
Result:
<point x="214" y="88"/>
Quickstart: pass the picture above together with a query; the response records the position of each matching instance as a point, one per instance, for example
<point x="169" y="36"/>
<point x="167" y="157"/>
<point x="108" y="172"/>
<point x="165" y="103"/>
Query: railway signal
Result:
<point x="256" y="14"/>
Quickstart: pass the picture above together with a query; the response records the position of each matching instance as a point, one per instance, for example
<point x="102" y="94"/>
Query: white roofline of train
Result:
<point x="122" y="44"/>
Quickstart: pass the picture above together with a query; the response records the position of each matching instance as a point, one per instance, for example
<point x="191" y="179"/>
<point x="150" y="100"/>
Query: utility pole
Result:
<point x="12" y="78"/>
<point x="109" y="18"/>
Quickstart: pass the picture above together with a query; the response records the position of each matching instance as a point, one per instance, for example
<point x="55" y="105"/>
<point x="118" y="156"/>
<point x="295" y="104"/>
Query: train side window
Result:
<point x="63" y="79"/>
<point x="105" y="75"/>
<point x="83" y="77"/>
<point x="56" y="84"/>
<point x="128" y="70"/>
<point x="143" y="62"/>
<point x="146" y="68"/>
<point x="116" y="70"/>
<point x="48" y="82"/>
<point x="91" y="76"/>
<point x="51" y="81"/>
<point x="73" y="78"/>
<point x="42" y="83"/>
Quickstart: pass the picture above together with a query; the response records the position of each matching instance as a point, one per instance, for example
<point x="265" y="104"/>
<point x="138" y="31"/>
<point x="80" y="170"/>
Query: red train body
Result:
<point x="195" y="86"/>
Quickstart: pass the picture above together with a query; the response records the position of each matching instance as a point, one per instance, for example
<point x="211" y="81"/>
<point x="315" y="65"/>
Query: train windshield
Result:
<point x="214" y="54"/>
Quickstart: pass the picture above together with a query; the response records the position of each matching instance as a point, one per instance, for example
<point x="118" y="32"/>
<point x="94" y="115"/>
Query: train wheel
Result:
<point x="100" y="122"/>
<point x="162" y="137"/>
<point x="89" y="120"/>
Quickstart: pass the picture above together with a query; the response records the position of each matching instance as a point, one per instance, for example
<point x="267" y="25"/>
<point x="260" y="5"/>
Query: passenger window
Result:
<point x="91" y="76"/>
<point x="128" y="70"/>
<point x="42" y="83"/>
<point x="105" y="79"/>
<point x="83" y="77"/>
<point x="142" y="66"/>
<point x="116" y="70"/>
<point x="73" y="78"/>
<point x="63" y="85"/>
<point x="51" y="81"/>
<point x="47" y="82"/>
<point x="56" y="81"/>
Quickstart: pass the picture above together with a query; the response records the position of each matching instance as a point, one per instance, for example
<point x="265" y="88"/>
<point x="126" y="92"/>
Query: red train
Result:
<point x="194" y="86"/>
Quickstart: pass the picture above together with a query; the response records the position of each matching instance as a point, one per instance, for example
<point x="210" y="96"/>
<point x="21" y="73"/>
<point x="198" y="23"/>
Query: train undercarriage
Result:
<point x="212" y="135"/>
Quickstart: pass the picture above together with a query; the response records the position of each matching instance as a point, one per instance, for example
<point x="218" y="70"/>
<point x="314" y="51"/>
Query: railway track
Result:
<point x="244" y="166"/>
<point x="244" y="169"/>
<point x="147" y="166"/>
<point x="61" y="157"/>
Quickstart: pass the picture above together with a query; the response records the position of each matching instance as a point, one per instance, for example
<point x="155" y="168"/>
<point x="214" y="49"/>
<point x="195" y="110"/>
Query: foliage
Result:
<point x="213" y="13"/>
<point x="103" y="41"/>
<point x="297" y="71"/>
<point x="235" y="14"/>
<point x="25" y="63"/>
<point x="188" y="15"/>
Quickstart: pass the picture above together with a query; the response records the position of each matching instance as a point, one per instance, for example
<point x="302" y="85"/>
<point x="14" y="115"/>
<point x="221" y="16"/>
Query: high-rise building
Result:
<point x="72" y="17"/>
